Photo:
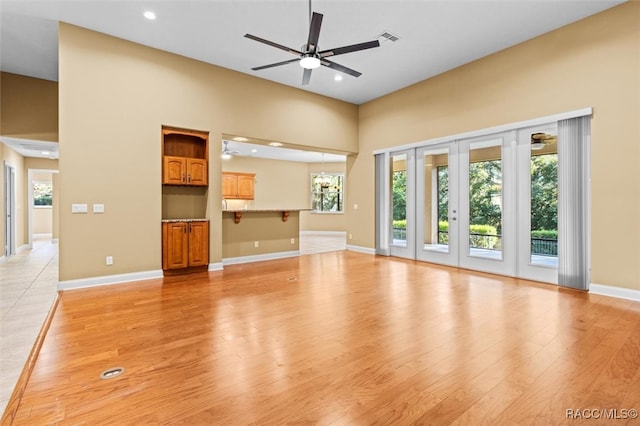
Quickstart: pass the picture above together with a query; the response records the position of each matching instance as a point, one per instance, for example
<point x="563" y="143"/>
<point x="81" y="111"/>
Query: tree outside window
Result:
<point x="42" y="194"/>
<point x="327" y="192"/>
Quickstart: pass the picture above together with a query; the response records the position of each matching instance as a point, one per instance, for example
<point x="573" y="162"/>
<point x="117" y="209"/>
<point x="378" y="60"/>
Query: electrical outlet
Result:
<point x="256" y="244"/>
<point x="355" y="207"/>
<point x="109" y="260"/>
<point x="293" y="241"/>
<point x="351" y="236"/>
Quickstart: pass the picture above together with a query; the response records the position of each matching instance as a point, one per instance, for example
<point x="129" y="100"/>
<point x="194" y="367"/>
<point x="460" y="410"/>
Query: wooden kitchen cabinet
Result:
<point x="238" y="185"/>
<point x="184" y="157"/>
<point x="185" y="245"/>
<point x="184" y="171"/>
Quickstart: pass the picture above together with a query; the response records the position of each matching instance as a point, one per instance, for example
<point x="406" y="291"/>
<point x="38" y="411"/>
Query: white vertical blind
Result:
<point x="573" y="202"/>
<point x="383" y="189"/>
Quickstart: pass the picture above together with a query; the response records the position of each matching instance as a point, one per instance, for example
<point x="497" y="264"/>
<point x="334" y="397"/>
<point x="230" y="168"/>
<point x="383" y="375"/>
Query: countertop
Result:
<point x="264" y="210"/>
<point x="184" y="220"/>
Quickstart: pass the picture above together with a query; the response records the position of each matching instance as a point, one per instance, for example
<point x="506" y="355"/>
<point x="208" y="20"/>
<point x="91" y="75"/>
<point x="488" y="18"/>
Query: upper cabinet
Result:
<point x="184" y="157"/>
<point x="238" y="185"/>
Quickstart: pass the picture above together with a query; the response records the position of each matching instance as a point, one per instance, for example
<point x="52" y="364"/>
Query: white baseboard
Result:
<point x="46" y="235"/>
<point x="218" y="266"/>
<point x="108" y="280"/>
<point x="260" y="257"/>
<point x="619" y="292"/>
<point x="22" y="248"/>
<point x="325" y="233"/>
<point x="360" y="249"/>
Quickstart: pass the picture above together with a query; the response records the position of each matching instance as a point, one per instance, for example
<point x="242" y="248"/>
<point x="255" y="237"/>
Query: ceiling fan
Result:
<point x="309" y="56"/>
<point x="226" y="152"/>
<point x="540" y="140"/>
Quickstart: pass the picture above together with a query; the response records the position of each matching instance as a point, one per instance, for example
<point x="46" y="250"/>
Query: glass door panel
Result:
<point x="487" y="197"/>
<point x="538" y="202"/>
<point x="436" y="170"/>
<point x="402" y="241"/>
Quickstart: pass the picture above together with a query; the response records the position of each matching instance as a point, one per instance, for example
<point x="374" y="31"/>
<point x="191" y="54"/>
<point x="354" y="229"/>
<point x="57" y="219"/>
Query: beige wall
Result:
<point x="267" y="228"/>
<point x="278" y="184"/>
<point x="592" y="63"/>
<point x="29" y="107"/>
<point x="114" y="98"/>
<point x="10" y="157"/>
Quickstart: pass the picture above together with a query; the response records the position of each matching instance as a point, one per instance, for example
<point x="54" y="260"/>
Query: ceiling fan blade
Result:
<point x="277" y="64"/>
<point x="272" y="44"/>
<point x="340" y="68"/>
<point x="349" y="49"/>
<point x="314" y="32"/>
<point x="306" y="76"/>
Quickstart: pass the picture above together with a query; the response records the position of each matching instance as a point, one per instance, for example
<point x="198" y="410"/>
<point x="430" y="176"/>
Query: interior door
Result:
<point x="402" y="184"/>
<point x="437" y="204"/>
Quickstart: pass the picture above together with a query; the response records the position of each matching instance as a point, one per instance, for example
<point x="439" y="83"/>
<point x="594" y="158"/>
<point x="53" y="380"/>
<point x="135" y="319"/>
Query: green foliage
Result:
<point x="399" y="195"/>
<point x="483" y="236"/>
<point x="544" y="191"/>
<point x="443" y="193"/>
<point x="545" y="233"/>
<point x="400" y="224"/>
<point x="443" y="225"/>
<point x="485" y="193"/>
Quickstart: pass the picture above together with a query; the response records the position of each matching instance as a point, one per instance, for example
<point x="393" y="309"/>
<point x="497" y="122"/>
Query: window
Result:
<point x="42" y="194"/>
<point x="326" y="192"/>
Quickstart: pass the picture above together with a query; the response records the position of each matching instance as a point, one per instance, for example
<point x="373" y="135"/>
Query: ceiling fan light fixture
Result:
<point x="309" y="62"/>
<point x="536" y="146"/>
<point x="226" y="155"/>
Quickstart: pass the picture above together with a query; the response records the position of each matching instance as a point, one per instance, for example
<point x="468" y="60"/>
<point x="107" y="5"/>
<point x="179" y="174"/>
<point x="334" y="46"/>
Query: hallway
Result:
<point x="27" y="290"/>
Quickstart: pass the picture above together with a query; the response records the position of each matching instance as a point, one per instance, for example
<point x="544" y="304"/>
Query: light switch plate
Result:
<point x="79" y="208"/>
<point x="98" y="208"/>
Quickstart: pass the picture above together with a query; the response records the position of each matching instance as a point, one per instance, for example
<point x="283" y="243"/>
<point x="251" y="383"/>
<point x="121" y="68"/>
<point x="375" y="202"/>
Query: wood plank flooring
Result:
<point x="337" y="338"/>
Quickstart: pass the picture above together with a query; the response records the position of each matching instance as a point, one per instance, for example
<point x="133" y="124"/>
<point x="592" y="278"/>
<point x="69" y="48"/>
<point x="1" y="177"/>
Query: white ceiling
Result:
<point x="435" y="36"/>
<point x="32" y="148"/>
<point x="246" y="149"/>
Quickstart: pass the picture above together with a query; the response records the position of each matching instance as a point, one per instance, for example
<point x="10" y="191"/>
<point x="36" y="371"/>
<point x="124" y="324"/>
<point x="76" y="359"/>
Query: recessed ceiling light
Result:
<point x="149" y="15"/>
<point x="46" y="153"/>
<point x="254" y="150"/>
<point x="240" y="139"/>
<point x="338" y="77"/>
<point x="275" y="144"/>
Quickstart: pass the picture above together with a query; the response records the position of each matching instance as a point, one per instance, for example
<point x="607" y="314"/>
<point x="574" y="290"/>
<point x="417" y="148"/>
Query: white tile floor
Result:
<point x="28" y="288"/>
<point x="28" y="283"/>
<point x="320" y="243"/>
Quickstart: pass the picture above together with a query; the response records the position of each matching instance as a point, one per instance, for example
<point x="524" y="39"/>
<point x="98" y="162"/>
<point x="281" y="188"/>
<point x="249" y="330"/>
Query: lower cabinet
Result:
<point x="185" y="245"/>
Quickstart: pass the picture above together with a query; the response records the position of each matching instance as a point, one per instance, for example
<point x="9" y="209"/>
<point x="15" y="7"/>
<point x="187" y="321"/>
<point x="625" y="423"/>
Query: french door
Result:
<point x="468" y="203"/>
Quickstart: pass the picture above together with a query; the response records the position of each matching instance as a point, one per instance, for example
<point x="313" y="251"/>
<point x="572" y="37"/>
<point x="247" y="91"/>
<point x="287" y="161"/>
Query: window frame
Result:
<point x="341" y="192"/>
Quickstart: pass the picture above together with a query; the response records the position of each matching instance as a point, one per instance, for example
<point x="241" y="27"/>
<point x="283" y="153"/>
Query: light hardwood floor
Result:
<point x="336" y="338"/>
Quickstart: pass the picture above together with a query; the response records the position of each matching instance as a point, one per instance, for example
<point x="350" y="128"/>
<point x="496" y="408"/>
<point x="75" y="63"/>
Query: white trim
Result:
<point x="260" y="257"/>
<point x="108" y="280"/>
<point x="326" y="233"/>
<point x="490" y="130"/>
<point x="45" y="235"/>
<point x="217" y="266"/>
<point x="23" y="248"/>
<point x="360" y="249"/>
<point x="618" y="292"/>
<point x="2" y="259"/>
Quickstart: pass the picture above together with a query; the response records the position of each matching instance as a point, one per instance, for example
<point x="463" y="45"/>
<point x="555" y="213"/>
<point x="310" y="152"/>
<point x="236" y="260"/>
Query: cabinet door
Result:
<point x="229" y="185"/>
<point x="174" y="170"/>
<point x="175" y="249"/>
<point x="198" y="243"/>
<point x="245" y="187"/>
<point x="196" y="171"/>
